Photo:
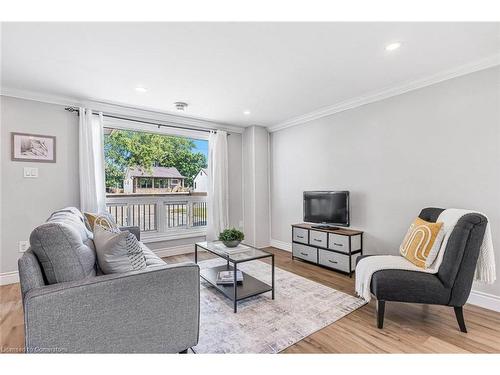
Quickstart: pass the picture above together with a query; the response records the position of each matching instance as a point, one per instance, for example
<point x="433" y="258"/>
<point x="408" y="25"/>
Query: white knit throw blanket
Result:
<point x="485" y="268"/>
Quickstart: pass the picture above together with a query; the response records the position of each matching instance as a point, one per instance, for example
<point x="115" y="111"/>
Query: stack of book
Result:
<point x="227" y="277"/>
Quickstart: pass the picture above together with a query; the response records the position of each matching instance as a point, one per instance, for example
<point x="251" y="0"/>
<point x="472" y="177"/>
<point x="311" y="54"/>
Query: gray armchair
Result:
<point x="452" y="284"/>
<point x="155" y="310"/>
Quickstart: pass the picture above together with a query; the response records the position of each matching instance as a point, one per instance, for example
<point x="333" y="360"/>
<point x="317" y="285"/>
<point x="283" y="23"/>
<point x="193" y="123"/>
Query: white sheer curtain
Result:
<point x="217" y="199"/>
<point x="91" y="162"/>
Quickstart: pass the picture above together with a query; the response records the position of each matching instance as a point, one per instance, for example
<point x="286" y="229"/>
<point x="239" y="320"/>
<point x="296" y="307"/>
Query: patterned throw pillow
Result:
<point x="422" y="242"/>
<point x="104" y="220"/>
<point x="118" y="251"/>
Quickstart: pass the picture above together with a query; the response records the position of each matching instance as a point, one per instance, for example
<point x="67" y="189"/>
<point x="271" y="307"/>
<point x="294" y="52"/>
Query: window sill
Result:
<point x="173" y="235"/>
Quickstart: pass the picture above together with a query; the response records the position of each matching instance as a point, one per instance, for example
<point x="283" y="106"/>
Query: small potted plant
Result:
<point x="231" y="237"/>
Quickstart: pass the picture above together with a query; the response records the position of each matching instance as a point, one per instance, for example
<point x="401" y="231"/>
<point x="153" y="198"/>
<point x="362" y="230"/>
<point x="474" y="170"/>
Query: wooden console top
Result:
<point x="345" y="232"/>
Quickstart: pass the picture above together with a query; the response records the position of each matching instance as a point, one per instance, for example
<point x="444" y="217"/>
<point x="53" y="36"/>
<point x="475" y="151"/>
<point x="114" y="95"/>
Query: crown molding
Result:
<point x="388" y="92"/>
<point x="148" y="113"/>
<point x="120" y="109"/>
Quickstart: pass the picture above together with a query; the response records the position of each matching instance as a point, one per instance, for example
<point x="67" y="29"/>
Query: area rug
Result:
<point x="262" y="325"/>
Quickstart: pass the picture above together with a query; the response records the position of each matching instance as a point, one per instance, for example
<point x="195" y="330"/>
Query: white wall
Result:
<point x="27" y="203"/>
<point x="437" y="146"/>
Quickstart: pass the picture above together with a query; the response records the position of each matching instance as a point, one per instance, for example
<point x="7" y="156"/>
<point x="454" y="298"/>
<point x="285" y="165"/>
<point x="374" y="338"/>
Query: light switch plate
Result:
<point x="23" y="246"/>
<point x="30" y="172"/>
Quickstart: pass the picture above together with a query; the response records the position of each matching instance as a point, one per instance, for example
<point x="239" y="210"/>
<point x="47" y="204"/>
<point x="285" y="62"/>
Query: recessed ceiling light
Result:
<point x="141" y="89"/>
<point x="246" y="113"/>
<point x="392" y="46"/>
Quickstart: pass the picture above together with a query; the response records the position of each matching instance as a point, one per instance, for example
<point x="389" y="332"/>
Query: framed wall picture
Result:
<point x="33" y="147"/>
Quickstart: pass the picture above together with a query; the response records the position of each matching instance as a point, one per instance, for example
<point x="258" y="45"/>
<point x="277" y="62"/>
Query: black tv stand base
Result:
<point x="324" y="227"/>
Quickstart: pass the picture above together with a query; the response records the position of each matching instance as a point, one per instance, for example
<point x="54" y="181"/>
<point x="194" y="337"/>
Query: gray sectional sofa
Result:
<point x="70" y="306"/>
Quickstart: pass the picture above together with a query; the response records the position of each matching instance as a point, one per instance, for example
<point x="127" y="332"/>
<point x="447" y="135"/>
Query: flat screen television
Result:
<point x="328" y="208"/>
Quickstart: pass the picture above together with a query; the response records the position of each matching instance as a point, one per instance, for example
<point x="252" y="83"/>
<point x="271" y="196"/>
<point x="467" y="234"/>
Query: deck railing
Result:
<point x="160" y="213"/>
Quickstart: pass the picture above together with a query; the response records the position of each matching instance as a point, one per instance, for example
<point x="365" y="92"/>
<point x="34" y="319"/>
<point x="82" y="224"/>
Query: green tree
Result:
<point x="123" y="149"/>
<point x="114" y="176"/>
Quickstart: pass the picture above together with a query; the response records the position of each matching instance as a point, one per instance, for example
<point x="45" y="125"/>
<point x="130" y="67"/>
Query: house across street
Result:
<point x="152" y="180"/>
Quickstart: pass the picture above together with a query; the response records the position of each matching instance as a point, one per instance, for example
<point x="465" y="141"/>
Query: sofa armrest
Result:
<point x="136" y="231"/>
<point x="150" y="311"/>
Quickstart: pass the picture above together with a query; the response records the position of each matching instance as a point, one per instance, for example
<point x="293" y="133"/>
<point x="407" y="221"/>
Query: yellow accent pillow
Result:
<point x="102" y="220"/>
<point x="422" y="242"/>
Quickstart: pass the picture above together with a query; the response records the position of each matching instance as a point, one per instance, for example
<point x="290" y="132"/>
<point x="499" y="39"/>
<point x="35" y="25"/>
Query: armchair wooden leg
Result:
<point x="459" y="313"/>
<point x="183" y="352"/>
<point x="380" y="313"/>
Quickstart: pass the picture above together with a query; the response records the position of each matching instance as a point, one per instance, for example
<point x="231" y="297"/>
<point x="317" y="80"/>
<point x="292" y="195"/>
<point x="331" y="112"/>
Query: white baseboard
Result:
<point x="9" y="278"/>
<point x="174" y="250"/>
<point x="486" y="300"/>
<point x="281" y="245"/>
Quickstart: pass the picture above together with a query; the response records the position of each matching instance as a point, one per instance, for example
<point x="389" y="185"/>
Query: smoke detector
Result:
<point x="180" y="106"/>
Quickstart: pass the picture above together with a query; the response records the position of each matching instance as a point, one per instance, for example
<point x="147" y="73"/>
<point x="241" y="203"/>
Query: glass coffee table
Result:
<point x="236" y="291"/>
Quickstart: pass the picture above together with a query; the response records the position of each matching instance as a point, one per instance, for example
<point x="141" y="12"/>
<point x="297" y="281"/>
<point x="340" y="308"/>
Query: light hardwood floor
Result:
<point x="408" y="328"/>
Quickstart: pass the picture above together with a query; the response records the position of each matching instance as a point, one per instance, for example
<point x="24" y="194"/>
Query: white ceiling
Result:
<point x="276" y="70"/>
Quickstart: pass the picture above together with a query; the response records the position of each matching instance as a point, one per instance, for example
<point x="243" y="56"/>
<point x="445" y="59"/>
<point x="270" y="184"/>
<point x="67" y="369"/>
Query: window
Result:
<point x="133" y="159"/>
<point x="125" y="150"/>
<point x="145" y="183"/>
<point x="161" y="183"/>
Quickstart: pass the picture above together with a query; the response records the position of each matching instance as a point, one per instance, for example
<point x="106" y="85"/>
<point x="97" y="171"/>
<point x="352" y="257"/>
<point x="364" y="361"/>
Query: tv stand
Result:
<point x="324" y="226"/>
<point x="329" y="247"/>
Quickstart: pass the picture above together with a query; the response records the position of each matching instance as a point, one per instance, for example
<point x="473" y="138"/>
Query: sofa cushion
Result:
<point x="64" y="247"/>
<point x="118" y="251"/>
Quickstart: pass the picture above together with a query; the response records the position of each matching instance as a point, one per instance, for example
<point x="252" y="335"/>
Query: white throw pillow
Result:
<point x="118" y="252"/>
<point x="151" y="258"/>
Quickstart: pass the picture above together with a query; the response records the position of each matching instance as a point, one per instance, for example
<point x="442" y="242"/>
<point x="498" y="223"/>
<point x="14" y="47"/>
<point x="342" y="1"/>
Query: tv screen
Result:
<point x="327" y="207"/>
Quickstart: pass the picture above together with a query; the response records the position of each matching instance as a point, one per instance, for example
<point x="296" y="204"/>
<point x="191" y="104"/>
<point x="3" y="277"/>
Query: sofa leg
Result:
<point x="380" y="313"/>
<point x="184" y="352"/>
<point x="459" y="313"/>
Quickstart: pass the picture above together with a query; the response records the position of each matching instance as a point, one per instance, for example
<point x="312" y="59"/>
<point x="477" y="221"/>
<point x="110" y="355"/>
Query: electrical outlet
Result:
<point x="23" y="246"/>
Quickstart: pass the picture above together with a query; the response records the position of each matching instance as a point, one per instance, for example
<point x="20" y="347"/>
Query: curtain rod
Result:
<point x="75" y="109"/>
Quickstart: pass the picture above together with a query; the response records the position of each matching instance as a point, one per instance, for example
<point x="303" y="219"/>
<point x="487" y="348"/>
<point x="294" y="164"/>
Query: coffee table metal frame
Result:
<point x="250" y="286"/>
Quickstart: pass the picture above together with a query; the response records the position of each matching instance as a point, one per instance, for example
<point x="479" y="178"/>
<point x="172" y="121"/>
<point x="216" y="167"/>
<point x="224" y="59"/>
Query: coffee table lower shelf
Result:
<point x="248" y="288"/>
